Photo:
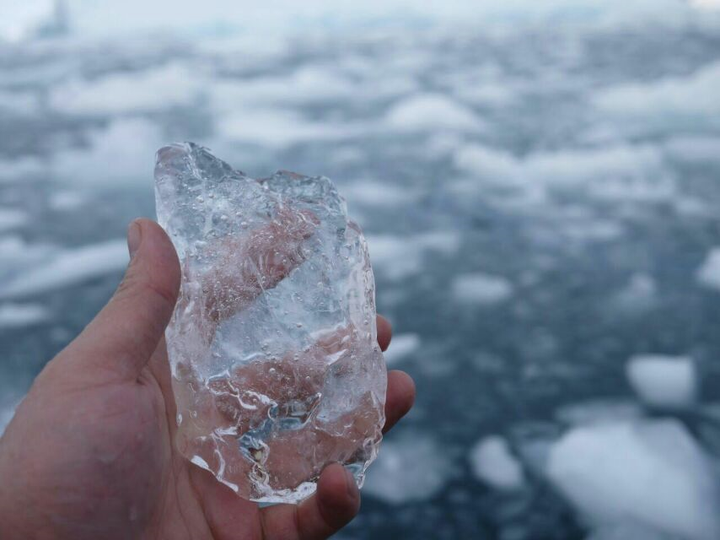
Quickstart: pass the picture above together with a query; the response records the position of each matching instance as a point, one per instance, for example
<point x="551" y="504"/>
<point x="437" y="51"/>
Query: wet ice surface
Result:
<point x="273" y="345"/>
<point x="600" y="219"/>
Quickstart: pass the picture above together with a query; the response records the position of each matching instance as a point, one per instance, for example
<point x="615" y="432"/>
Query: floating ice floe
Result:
<point x="306" y="85"/>
<point x="402" y="346"/>
<point x="12" y="218"/>
<point x="69" y="267"/>
<point x="397" y="257"/>
<point x="64" y="201"/>
<point x="378" y="194"/>
<point x="158" y="88"/>
<point x="663" y="381"/>
<point x="493" y="463"/>
<point x="411" y="467"/>
<point x="649" y="473"/>
<point x="22" y="315"/>
<point x="281" y="127"/>
<point x="482" y="289"/>
<point x="639" y="294"/>
<point x="692" y="97"/>
<point x="112" y="158"/>
<point x="430" y="112"/>
<point x="708" y="275"/>
<point x="16" y="256"/>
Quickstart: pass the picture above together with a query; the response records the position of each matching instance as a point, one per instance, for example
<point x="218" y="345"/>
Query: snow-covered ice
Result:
<point x="649" y="472"/>
<point x="708" y="275"/>
<point x="411" y="467"/>
<point x="273" y="345"/>
<point x="482" y="289"/>
<point x="162" y="88"/>
<point x="432" y="112"/>
<point x="403" y="345"/>
<point x="664" y="381"/>
<point x="21" y="315"/>
<point x="112" y="160"/>
<point x="69" y="267"/>
<point x="493" y="463"/>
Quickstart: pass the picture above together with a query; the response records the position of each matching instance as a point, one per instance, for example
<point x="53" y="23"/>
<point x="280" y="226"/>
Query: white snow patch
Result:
<point x="429" y="112"/>
<point x="397" y="257"/>
<point x="493" y="463"/>
<point x="121" y="155"/>
<point x="480" y="288"/>
<point x="12" y="218"/>
<point x="411" y="467"/>
<point x="692" y="97"/>
<point x="639" y="294"/>
<point x="64" y="201"/>
<point x="379" y="194"/>
<point x="394" y="256"/>
<point x="308" y="84"/>
<point x="663" y="381"/>
<point x="401" y="346"/>
<point x="279" y="127"/>
<point x="16" y="256"/>
<point x="159" y="88"/>
<point x="651" y="473"/>
<point x="22" y="315"/>
<point x="69" y="267"/>
<point x="620" y="172"/>
<point x="708" y="275"/>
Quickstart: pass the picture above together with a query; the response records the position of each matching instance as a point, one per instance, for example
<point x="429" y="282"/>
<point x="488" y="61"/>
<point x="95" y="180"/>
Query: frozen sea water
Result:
<point x="273" y="344"/>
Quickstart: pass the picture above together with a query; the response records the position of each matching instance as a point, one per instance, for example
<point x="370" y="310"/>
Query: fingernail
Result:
<point x="134" y="238"/>
<point x="352" y="488"/>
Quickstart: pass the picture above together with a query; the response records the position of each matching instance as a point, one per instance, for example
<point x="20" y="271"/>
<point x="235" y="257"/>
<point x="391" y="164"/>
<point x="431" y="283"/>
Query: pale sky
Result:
<point x="113" y="16"/>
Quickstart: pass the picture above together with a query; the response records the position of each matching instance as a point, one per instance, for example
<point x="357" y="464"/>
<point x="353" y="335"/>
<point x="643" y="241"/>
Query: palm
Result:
<point x="90" y="453"/>
<point x="197" y="506"/>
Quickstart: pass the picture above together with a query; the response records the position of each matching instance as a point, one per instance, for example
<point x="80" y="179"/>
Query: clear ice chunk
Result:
<point x="272" y="346"/>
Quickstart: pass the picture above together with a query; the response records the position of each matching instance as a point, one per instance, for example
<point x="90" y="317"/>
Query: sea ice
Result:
<point x="21" y="315"/>
<point x="64" y="268"/>
<point x="648" y="473"/>
<point x="403" y="346"/>
<point x="708" y="275"/>
<point x="412" y="467"/>
<point x="493" y="463"/>
<point x="663" y="381"/>
<point x="273" y="345"/>
<point x="481" y="289"/>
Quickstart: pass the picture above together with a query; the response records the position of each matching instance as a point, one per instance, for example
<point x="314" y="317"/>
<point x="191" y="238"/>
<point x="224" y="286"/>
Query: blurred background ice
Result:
<point x="540" y="185"/>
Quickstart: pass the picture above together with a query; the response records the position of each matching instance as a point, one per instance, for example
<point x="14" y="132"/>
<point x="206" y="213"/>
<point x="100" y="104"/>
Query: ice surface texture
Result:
<point x="273" y="346"/>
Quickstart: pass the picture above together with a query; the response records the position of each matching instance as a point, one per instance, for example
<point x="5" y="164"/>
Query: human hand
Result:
<point x="91" y="454"/>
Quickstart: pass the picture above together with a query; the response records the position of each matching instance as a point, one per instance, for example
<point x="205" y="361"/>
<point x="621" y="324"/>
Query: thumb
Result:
<point x="124" y="335"/>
